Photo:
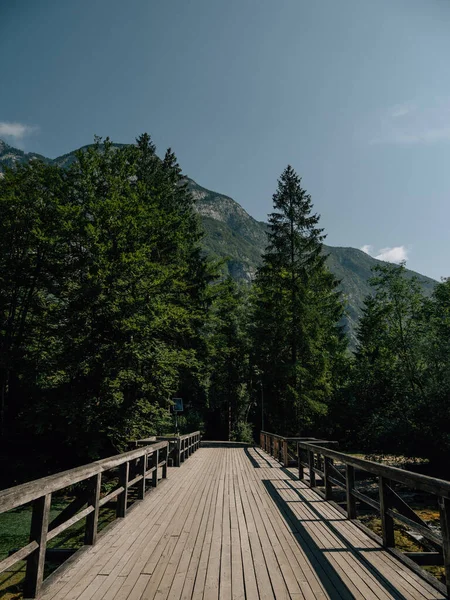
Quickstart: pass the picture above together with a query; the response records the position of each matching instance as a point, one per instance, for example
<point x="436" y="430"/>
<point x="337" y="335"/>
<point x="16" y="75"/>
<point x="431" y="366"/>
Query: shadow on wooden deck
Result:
<point x="312" y="503"/>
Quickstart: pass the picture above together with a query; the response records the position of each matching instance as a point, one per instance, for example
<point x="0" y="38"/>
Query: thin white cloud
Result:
<point x="408" y="123"/>
<point x="16" y="131"/>
<point x="396" y="254"/>
<point x="401" y="110"/>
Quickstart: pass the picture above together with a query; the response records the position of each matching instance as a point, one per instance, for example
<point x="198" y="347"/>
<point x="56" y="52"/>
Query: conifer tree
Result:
<point x="297" y="339"/>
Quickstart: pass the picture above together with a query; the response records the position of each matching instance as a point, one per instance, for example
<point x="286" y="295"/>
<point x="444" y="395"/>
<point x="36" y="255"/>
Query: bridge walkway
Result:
<point x="231" y="523"/>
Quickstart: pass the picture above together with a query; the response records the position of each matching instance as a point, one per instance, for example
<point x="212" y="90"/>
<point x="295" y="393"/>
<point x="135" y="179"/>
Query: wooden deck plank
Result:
<point x="279" y="536"/>
<point x="278" y="564"/>
<point x="184" y="528"/>
<point x="248" y="565"/>
<point x="110" y="542"/>
<point x="237" y="567"/>
<point x="385" y="562"/>
<point x="194" y="541"/>
<point x="204" y="564"/>
<point x="232" y="524"/>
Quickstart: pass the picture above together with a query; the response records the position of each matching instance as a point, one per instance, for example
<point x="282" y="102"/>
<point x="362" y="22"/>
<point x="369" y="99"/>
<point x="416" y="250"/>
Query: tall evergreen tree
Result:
<point x="297" y="339"/>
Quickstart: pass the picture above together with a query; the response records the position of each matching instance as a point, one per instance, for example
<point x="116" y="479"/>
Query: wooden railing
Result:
<point x="180" y="446"/>
<point x="330" y="469"/>
<point x="284" y="449"/>
<point x="135" y="468"/>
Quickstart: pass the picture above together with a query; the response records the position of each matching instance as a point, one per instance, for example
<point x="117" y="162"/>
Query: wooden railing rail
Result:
<point x="321" y="462"/>
<point x="135" y="467"/>
<point x="182" y="446"/>
<point x="279" y="446"/>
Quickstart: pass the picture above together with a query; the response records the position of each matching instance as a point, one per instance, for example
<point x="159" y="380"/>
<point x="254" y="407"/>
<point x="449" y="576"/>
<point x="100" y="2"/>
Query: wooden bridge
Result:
<point x="230" y="522"/>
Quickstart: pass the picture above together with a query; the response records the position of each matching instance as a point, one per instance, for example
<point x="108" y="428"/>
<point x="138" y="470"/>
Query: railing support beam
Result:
<point x="34" y="575"/>
<point x="350" y="485"/>
<point x="90" y="534"/>
<point x="444" y="510"/>
<point x="387" y="522"/>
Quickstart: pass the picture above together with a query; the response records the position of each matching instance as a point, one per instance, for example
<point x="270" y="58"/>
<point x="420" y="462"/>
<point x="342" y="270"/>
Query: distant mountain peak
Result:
<point x="236" y="237"/>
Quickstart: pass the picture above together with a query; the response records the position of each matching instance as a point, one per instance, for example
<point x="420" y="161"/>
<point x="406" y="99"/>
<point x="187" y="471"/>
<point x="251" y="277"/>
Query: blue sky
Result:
<point x="354" y="94"/>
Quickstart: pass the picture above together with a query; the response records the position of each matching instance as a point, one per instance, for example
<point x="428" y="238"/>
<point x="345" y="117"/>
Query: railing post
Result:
<point x="301" y="473"/>
<point x="35" y="562"/>
<point x="122" y="499"/>
<point x="350" y="485"/>
<point x="90" y="534"/>
<point x="141" y="484"/>
<point x="387" y="522"/>
<point x="285" y="454"/>
<point x="326" y="475"/>
<point x="178" y="453"/>
<point x="164" y="469"/>
<point x="444" y="510"/>
<point x="155" y="464"/>
<point x="312" y="473"/>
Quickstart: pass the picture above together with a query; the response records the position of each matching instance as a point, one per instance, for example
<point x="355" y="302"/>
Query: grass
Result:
<point x="405" y="542"/>
<point x="14" y="533"/>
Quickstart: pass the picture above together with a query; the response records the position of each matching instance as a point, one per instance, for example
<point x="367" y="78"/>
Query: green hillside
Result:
<point x="239" y="239"/>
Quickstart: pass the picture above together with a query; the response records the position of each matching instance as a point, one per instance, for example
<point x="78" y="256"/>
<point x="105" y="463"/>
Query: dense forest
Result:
<point x="110" y="308"/>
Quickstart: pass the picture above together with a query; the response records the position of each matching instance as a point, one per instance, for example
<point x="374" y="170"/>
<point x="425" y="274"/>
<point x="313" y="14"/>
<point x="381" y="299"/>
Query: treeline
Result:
<point x="397" y="396"/>
<point x="109" y="309"/>
<point x="103" y="296"/>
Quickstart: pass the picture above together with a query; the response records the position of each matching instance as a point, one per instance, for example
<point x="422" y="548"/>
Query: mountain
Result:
<point x="232" y="234"/>
<point x="239" y="239"/>
<point x="10" y="157"/>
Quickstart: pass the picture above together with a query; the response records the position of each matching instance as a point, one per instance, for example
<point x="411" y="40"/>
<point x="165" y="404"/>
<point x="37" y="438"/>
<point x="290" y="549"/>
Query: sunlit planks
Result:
<point x="232" y="524"/>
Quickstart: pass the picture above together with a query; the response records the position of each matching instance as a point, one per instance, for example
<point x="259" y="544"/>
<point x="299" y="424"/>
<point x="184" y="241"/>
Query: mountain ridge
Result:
<point x="233" y="235"/>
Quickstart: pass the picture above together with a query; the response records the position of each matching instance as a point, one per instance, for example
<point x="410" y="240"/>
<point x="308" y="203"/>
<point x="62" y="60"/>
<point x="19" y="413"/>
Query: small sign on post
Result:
<point x="177" y="407"/>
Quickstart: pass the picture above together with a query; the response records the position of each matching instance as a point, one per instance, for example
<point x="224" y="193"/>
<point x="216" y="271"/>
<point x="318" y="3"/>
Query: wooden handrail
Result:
<point x="182" y="446"/>
<point x="277" y="445"/>
<point x="134" y="468"/>
<point x="439" y="487"/>
<point x="27" y="492"/>
<point x="390" y="505"/>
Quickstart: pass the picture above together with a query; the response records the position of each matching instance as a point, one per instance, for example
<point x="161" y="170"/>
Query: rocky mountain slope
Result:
<point x="237" y="238"/>
<point x="232" y="234"/>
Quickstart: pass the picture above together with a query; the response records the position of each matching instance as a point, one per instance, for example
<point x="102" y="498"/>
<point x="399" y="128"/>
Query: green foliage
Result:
<point x="109" y="308"/>
<point x="242" y="432"/>
<point x="397" y="397"/>
<point x="297" y="342"/>
<point x="238" y="241"/>
<point x="229" y="395"/>
<point x="103" y="297"/>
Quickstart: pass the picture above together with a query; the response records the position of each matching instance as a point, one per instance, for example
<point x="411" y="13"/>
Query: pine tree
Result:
<point x="296" y="312"/>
